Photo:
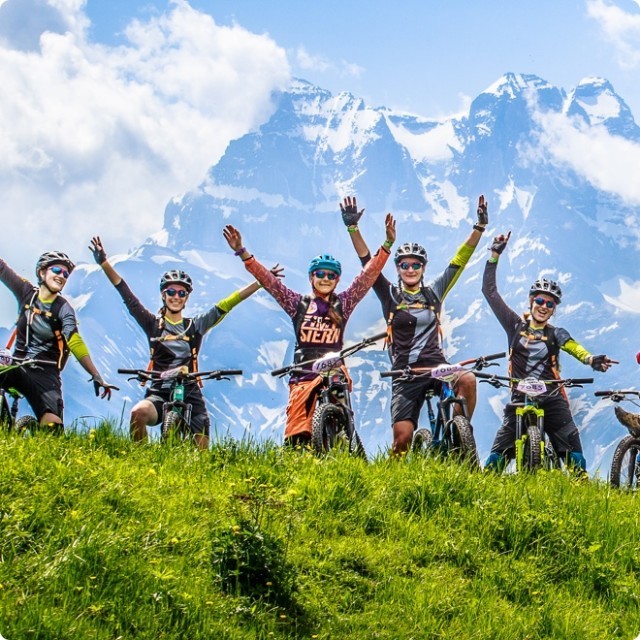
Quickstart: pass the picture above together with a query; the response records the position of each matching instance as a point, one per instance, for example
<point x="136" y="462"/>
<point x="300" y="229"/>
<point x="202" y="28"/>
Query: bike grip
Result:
<point x="581" y="380"/>
<point x="495" y="356"/>
<point x="392" y="374"/>
<point x="132" y="372"/>
<point x="231" y="372"/>
<point x="279" y="372"/>
<point x="377" y="337"/>
<point x="603" y="394"/>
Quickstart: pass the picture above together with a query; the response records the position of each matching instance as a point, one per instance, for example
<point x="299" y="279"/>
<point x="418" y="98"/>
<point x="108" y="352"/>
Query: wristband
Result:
<point x="352" y="228"/>
<point x="387" y="244"/>
<point x="240" y="251"/>
<point x="477" y="227"/>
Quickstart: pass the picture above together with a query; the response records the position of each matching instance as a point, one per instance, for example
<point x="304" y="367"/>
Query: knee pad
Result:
<point x="495" y="462"/>
<point x="577" y="461"/>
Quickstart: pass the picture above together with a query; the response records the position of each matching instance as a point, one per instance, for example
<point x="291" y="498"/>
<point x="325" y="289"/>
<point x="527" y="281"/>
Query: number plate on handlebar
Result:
<point x="174" y="373"/>
<point x="531" y="387"/>
<point x="446" y="371"/>
<point x="326" y="363"/>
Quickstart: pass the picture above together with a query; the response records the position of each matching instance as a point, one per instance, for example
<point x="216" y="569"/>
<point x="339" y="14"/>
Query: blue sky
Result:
<point x="110" y="108"/>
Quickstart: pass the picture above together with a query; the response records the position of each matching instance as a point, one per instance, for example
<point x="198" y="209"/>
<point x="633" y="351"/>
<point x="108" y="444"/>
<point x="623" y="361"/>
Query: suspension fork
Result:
<point x="522" y="411"/>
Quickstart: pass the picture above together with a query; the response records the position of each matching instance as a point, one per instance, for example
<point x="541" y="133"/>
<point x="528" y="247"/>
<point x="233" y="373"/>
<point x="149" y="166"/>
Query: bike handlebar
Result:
<point x="344" y="353"/>
<point x="477" y="362"/>
<point x="144" y="374"/>
<point x="567" y="382"/>
<point x="620" y="393"/>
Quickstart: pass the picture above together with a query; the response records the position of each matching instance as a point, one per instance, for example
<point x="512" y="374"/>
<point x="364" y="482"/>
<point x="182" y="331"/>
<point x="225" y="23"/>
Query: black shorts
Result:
<point x="407" y="398"/>
<point x="193" y="395"/>
<point x="41" y="387"/>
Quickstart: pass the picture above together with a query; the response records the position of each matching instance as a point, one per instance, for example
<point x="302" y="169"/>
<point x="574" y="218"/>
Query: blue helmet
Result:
<point x="325" y="261"/>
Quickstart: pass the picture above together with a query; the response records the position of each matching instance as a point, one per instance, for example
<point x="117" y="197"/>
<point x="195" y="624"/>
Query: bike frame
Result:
<point x="440" y="421"/>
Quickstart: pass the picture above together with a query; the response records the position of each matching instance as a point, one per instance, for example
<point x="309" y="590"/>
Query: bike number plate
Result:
<point x="446" y="371"/>
<point x="531" y="387"/>
<point x="327" y="363"/>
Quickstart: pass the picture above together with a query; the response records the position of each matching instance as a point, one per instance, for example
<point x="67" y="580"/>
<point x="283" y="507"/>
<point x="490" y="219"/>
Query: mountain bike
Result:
<point x="176" y="413"/>
<point x="333" y="420"/>
<point x="533" y="449"/>
<point x="448" y="433"/>
<point x="625" y="464"/>
<point x="10" y="398"/>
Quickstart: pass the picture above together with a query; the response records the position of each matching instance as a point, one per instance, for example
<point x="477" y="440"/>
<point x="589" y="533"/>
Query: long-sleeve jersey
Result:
<point x="317" y="332"/>
<point x="414" y="323"/>
<point x="35" y="337"/>
<point x="532" y="349"/>
<point x="174" y="344"/>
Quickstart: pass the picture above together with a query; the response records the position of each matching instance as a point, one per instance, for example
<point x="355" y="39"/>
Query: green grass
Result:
<point x="101" y="539"/>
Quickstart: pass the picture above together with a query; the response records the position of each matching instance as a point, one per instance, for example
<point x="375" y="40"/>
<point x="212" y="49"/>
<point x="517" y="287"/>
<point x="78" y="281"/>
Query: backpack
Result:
<point x="433" y="304"/>
<point x="549" y="336"/>
<point x="298" y="319"/>
<point x="53" y="318"/>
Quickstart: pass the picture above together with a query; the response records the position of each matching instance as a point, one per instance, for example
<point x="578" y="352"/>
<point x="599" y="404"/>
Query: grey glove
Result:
<point x="350" y="213"/>
<point x="500" y="242"/>
<point x="598" y="363"/>
<point x="96" y="248"/>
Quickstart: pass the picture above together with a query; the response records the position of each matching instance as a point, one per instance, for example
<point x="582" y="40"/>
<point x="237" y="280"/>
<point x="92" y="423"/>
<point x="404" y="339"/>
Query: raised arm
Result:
<point x="351" y="217"/>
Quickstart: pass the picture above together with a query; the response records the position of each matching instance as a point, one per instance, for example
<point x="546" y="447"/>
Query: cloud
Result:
<point x="308" y="62"/>
<point x="620" y="27"/>
<point x="96" y="139"/>
<point x="609" y="162"/>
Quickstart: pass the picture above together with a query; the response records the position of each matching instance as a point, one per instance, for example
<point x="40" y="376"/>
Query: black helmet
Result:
<point x="550" y="287"/>
<point x="176" y="276"/>
<point x="53" y="257"/>
<point x="410" y="250"/>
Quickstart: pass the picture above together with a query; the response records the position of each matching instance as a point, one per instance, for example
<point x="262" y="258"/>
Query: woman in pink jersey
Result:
<point x="319" y="319"/>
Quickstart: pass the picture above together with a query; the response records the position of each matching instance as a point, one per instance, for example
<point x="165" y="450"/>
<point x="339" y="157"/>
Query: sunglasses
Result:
<point x="59" y="271"/>
<point x="329" y="275"/>
<point x="181" y="293"/>
<point x="405" y="266"/>
<point x="550" y="304"/>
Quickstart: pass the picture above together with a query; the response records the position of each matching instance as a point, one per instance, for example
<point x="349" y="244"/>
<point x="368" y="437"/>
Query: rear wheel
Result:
<point x="461" y="441"/>
<point x="5" y="414"/>
<point x="356" y="447"/>
<point x="328" y="428"/>
<point x="172" y="426"/>
<point x="625" y="467"/>
<point x="422" y="441"/>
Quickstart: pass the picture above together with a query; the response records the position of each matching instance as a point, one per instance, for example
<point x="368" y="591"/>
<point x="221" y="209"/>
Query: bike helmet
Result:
<point x="410" y="250"/>
<point x="325" y="261"/>
<point x="53" y="257"/>
<point x="550" y="287"/>
<point x="176" y="276"/>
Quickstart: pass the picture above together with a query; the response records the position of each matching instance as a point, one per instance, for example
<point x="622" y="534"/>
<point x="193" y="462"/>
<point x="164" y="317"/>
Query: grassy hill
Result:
<point x="101" y="539"/>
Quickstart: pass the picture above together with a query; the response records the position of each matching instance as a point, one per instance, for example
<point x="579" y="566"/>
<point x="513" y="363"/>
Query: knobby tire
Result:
<point x="462" y="442"/>
<point x="422" y="441"/>
<point x="624" y="465"/>
<point x="27" y="424"/>
<point x="172" y="426"/>
<point x="327" y="426"/>
<point x="532" y="456"/>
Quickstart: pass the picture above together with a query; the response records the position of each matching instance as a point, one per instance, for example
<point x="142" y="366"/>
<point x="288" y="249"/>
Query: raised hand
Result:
<point x="483" y="214"/>
<point x="390" y="228"/>
<point x="96" y="248"/>
<point x="499" y="243"/>
<point x="350" y="213"/>
<point x="277" y="270"/>
<point x="601" y="363"/>
<point x="233" y="237"/>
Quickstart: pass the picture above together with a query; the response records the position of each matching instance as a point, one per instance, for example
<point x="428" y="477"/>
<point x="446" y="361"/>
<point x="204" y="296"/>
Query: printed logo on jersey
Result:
<point x="313" y="307"/>
<point x="316" y="330"/>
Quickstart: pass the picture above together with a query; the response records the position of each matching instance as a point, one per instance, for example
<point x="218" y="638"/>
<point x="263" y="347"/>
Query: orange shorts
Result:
<point x="302" y="403"/>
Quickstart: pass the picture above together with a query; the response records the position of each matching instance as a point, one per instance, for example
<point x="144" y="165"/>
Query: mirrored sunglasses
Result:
<point x="181" y="293"/>
<point x="329" y="275"/>
<point x="405" y="266"/>
<point x="59" y="271"/>
<point x="550" y="304"/>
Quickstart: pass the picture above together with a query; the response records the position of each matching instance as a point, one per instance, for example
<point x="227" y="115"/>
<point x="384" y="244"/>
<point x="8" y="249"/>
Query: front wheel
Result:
<point x="328" y="428"/>
<point x="462" y="442"/>
<point x="422" y="441"/>
<point x="172" y="426"/>
<point x="625" y="467"/>
<point x="27" y="425"/>
<point x="5" y="413"/>
<point x="532" y="451"/>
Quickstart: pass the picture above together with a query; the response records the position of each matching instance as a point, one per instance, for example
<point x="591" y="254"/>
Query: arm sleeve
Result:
<point x="226" y="304"/>
<point x="363" y="282"/>
<point x="140" y="314"/>
<point x="284" y="296"/>
<point x="444" y="283"/>
<point x="77" y="346"/>
<point x="381" y="285"/>
<point x="506" y="316"/>
<point x="576" y="350"/>
<point x="17" y="285"/>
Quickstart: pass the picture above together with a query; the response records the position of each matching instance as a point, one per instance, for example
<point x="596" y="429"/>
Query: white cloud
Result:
<point x="609" y="162"/>
<point x="96" y="140"/>
<point x="309" y="62"/>
<point x="620" y="27"/>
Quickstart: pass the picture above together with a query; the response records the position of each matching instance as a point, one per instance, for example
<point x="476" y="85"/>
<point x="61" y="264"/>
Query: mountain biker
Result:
<point x="174" y="341"/>
<point x="534" y="345"/>
<point x="319" y="319"/>
<point x="412" y="312"/>
<point x="46" y="331"/>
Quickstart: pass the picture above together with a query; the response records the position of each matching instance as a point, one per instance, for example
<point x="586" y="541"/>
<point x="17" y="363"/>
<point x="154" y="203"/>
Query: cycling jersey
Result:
<point x="414" y="316"/>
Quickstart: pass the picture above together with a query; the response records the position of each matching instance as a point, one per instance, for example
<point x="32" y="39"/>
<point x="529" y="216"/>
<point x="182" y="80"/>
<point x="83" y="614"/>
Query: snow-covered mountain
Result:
<point x="281" y="185"/>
